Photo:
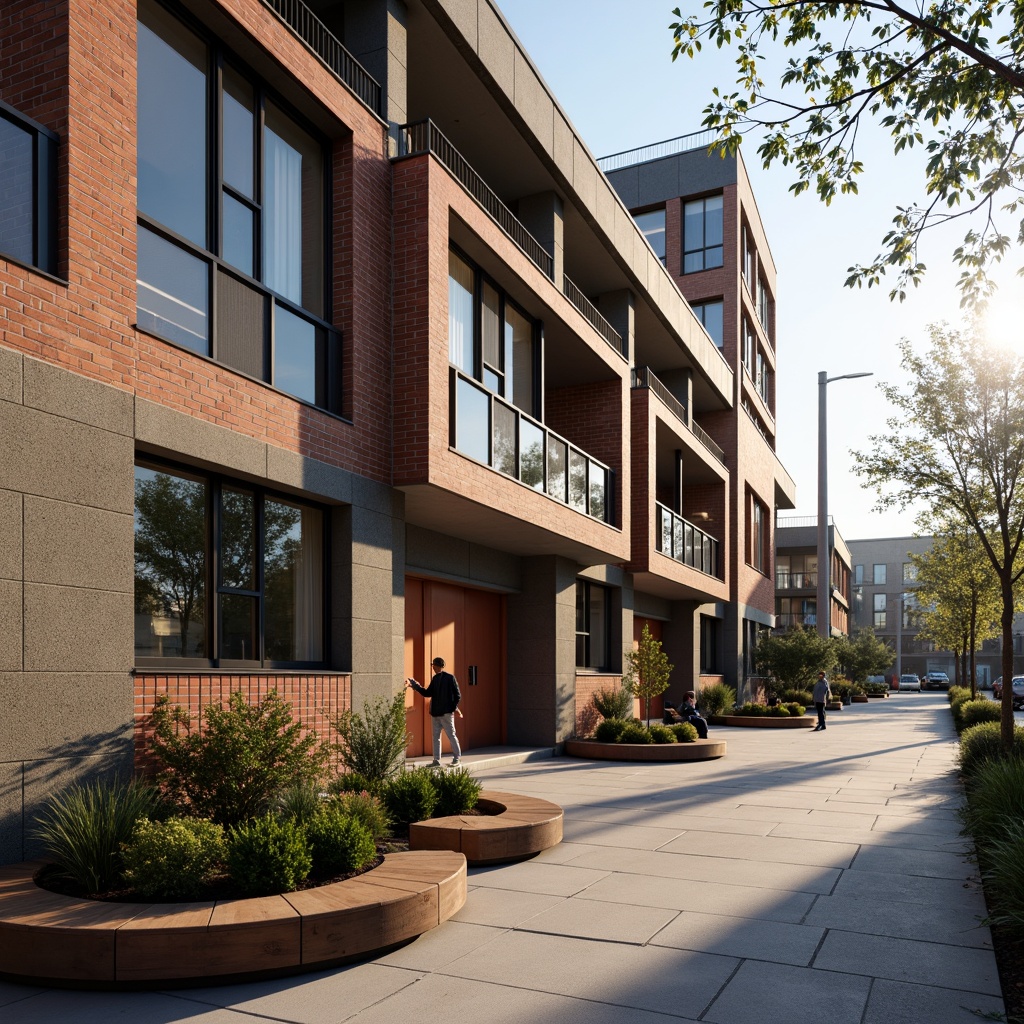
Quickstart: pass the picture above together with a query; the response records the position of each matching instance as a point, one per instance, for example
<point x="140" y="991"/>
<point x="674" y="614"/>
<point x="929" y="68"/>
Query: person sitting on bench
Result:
<point x="689" y="713"/>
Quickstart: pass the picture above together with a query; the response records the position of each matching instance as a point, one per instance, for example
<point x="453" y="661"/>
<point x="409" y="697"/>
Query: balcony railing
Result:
<point x="786" y="620"/>
<point x="797" y="522"/>
<point x="488" y="429"/>
<point x="644" y="377"/>
<point x="796" y="580"/>
<point x="657" y="150"/>
<point x="680" y="539"/>
<point x="315" y="34"/>
<point x="591" y="312"/>
<point x="426" y="137"/>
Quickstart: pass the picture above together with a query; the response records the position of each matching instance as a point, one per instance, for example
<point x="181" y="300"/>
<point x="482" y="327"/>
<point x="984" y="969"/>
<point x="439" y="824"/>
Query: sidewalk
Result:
<point x="804" y="878"/>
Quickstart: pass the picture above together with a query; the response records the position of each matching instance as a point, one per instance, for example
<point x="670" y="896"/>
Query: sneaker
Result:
<point x="456" y="761"/>
<point x="434" y="764"/>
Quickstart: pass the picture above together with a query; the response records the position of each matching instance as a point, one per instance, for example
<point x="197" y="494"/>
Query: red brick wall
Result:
<point x="315" y="699"/>
<point x="587" y="718"/>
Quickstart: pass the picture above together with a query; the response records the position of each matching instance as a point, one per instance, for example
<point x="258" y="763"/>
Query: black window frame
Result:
<point x="214" y="588"/>
<point x="45" y="151"/>
<point x="690" y="246"/>
<point x="329" y="355"/>
<point x="584" y="634"/>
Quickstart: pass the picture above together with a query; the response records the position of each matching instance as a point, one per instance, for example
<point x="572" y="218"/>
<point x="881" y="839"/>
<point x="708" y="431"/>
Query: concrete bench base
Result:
<point x="510" y="827"/>
<point x="698" y="750"/>
<point x="60" y="940"/>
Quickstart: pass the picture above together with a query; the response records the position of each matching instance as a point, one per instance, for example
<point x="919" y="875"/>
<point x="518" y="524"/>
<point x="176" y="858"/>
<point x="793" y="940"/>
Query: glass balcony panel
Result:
<point x="688" y="544"/>
<point x="531" y="465"/>
<point x="677" y="537"/>
<point x="504" y="439"/>
<point x="173" y="292"/>
<point x="557" y="477"/>
<point x="577" y="481"/>
<point x="295" y="354"/>
<point x="665" y="533"/>
<point x="472" y="430"/>
<point x="598" y="491"/>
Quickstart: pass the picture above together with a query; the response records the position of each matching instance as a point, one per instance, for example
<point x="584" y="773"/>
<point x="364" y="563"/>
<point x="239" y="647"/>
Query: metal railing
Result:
<point x="786" y="620"/>
<point x="644" y="377"/>
<point x="788" y="522"/>
<point x="315" y="34"/>
<point x="796" y="580"/>
<point x="681" y="540"/>
<point x="485" y="427"/>
<point x="657" y="150"/>
<point x="592" y="313"/>
<point x="425" y="137"/>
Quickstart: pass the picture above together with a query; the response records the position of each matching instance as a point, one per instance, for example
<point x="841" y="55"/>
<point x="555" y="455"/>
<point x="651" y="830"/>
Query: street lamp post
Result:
<point x="823" y="614"/>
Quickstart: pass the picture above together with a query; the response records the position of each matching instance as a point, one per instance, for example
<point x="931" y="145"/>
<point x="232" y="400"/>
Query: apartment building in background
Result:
<point x="796" y="575"/>
<point x="326" y="348"/>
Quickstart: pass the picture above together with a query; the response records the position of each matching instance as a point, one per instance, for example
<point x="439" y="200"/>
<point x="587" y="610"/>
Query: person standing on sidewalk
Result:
<point x="443" y="691"/>
<point x="822" y="693"/>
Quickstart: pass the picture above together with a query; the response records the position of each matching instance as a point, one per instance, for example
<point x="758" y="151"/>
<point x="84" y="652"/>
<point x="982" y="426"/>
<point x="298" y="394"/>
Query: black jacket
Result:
<point x="443" y="691"/>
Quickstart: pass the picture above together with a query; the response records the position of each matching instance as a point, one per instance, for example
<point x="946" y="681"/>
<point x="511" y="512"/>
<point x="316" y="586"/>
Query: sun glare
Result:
<point x="1003" y="321"/>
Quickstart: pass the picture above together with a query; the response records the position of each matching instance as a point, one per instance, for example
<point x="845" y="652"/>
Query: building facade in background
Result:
<point x="327" y="348"/>
<point x="796" y="576"/>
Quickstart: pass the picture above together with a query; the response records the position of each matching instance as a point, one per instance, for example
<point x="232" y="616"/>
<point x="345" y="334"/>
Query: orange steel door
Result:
<point x="466" y="628"/>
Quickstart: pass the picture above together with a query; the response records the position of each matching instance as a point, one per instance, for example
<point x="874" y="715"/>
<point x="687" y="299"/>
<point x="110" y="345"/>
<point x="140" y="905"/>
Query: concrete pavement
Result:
<point x="805" y="877"/>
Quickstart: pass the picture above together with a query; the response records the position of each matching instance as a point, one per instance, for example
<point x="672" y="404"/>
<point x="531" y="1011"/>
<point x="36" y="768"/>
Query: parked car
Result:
<point x="935" y="681"/>
<point x="909" y="681"/>
<point x="1018" y="691"/>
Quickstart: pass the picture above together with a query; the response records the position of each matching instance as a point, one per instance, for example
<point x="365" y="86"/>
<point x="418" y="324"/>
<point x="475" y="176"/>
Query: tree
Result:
<point x="956" y="441"/>
<point x="795" y="657"/>
<point x="958" y="594"/>
<point x="864" y="655"/>
<point x="948" y="76"/>
<point x="647" y="671"/>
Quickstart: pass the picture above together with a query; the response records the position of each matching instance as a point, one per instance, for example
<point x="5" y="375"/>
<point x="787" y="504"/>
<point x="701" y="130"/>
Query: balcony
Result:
<point x="796" y="580"/>
<point x="644" y="377"/>
<point x="493" y="432"/>
<point x="788" y="620"/>
<point x="315" y="34"/>
<point x="590" y="311"/>
<point x="679" y="539"/>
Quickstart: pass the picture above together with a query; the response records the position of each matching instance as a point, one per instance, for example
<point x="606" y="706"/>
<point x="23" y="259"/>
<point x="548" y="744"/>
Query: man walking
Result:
<point x="822" y="693"/>
<point x="443" y="691"/>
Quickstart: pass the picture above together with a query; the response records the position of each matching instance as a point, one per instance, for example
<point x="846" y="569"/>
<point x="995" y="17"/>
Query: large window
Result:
<point x="225" y="574"/>
<point x="593" y="626"/>
<point x="232" y="216"/>
<point x="28" y="191"/>
<point x="878" y="577"/>
<point x="879" y="611"/>
<point x="702" y="234"/>
<point x="758" y="546"/>
<point x="490" y="338"/>
<point x="711" y="315"/>
<point x="709" y="632"/>
<point x="652" y="224"/>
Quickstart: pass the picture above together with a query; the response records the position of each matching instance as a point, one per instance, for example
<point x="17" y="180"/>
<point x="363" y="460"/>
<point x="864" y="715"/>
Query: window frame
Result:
<point x="45" y="153"/>
<point x="584" y="630"/>
<point x="214" y="588"/>
<point x="327" y="339"/>
<point x="700" y="312"/>
<point x="878" y="578"/>
<point x="703" y="248"/>
<point x="648" y="232"/>
<point x="758" y="535"/>
<point x="878" y="608"/>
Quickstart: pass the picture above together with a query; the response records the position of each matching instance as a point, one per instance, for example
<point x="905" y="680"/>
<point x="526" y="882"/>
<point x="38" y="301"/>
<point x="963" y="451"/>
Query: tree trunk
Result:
<point x="974" y="641"/>
<point x="1006" y="720"/>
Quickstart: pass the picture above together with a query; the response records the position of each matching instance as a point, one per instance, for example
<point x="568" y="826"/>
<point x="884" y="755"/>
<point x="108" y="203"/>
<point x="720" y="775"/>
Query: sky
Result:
<point x="608" y="63"/>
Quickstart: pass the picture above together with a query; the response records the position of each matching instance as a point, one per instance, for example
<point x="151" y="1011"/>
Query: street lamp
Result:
<point x="823" y="614"/>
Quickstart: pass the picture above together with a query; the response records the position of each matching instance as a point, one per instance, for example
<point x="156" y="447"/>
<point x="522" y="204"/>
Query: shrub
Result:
<point x="613" y="703"/>
<point x="779" y="711"/>
<point x="684" y="732"/>
<point x="635" y="732"/>
<point x="457" y="791"/>
<point x="1004" y="876"/>
<point x="751" y="710"/>
<point x="339" y="842"/>
<point x="268" y="855"/>
<point x="798" y="697"/>
<point x="352" y="782"/>
<point x="796" y="709"/>
<point x="876" y="688"/>
<point x="84" y="826"/>
<point x="958" y="693"/>
<point x="410" y="796"/>
<point x="233" y="768"/>
<point x="974" y="712"/>
<point x="716" y="699"/>
<point x="995" y="793"/>
<point x="610" y="730"/>
<point x="300" y="801"/>
<point x="662" y="734"/>
<point x="957" y="703"/>
<point x="981" y="743"/>
<point x="173" y="859"/>
<point x="373" y="744"/>
<point x="368" y="809"/>
<point x="840" y="689"/>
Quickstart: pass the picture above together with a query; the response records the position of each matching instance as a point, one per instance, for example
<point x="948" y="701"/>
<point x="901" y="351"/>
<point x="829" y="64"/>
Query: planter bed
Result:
<point x="876" y="696"/>
<point x="859" y="698"/>
<point x="699" y="750"/>
<point x="510" y="827"/>
<point x="765" y="722"/>
<point x="80" y="943"/>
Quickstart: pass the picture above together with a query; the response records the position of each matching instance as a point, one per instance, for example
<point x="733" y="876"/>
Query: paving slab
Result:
<point x="768" y="849"/>
<point x="539" y="877"/>
<point x="609" y="922"/>
<point x="893" y="1002"/>
<point x="962" y="897"/>
<point x="872" y="837"/>
<point x="931" y="863"/>
<point x="503" y="908"/>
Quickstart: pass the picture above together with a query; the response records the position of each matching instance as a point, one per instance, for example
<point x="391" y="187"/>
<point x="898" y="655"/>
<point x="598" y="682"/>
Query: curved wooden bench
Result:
<point x="510" y="827"/>
<point x="766" y="721"/>
<point x="89" y="943"/>
<point x="697" y="750"/>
